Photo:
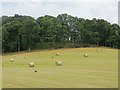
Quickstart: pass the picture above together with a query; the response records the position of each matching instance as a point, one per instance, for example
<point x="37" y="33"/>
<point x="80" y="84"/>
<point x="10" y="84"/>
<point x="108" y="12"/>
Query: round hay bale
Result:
<point x="57" y="54"/>
<point x="31" y="64"/>
<point x="86" y="55"/>
<point x="11" y="60"/>
<point x="59" y="63"/>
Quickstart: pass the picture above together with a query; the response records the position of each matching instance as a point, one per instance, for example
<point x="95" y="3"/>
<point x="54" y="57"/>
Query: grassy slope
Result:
<point x="96" y="70"/>
<point x="0" y="72"/>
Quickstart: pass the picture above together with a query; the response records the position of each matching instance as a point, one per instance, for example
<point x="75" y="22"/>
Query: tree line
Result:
<point x="20" y="33"/>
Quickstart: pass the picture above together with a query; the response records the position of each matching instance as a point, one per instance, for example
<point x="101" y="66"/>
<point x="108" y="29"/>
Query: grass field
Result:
<point x="0" y="72"/>
<point x="98" y="70"/>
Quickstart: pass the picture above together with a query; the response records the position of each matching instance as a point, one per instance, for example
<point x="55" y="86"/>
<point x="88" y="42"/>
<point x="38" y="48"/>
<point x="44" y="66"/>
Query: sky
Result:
<point x="88" y="9"/>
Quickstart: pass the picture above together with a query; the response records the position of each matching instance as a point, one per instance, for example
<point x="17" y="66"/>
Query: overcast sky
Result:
<point x="93" y="9"/>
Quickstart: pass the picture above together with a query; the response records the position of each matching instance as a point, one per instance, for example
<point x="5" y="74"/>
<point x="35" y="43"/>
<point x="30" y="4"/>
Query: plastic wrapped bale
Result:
<point x="0" y="57"/>
<point x="57" y="54"/>
<point x="59" y="63"/>
<point x="31" y="64"/>
<point x="85" y="55"/>
<point x="11" y="60"/>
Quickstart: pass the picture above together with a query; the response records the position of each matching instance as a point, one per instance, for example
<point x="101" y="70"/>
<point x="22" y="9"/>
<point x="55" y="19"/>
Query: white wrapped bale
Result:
<point x="86" y="55"/>
<point x="0" y="57"/>
<point x="11" y="60"/>
<point x="57" y="54"/>
<point x="59" y="63"/>
<point x="31" y="64"/>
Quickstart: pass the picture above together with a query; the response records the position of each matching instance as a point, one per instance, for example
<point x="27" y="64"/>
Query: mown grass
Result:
<point x="0" y="72"/>
<point x="98" y="70"/>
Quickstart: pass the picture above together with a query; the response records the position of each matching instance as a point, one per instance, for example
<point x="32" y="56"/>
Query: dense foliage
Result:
<point x="21" y="33"/>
